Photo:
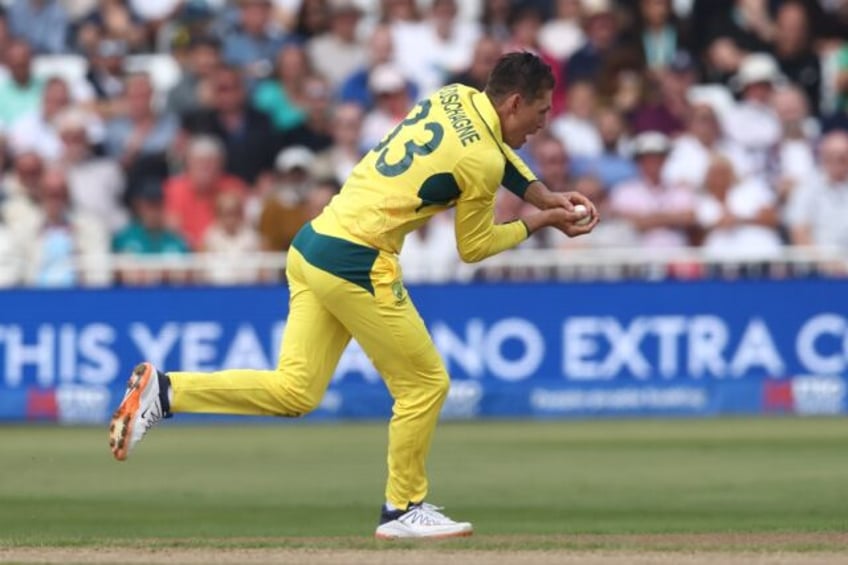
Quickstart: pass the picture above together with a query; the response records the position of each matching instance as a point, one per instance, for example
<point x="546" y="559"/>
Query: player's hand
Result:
<point x="568" y="224"/>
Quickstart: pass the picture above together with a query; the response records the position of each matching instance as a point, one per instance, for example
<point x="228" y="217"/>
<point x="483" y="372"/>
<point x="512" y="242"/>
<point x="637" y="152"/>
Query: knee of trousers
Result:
<point x="296" y="402"/>
<point x="434" y="387"/>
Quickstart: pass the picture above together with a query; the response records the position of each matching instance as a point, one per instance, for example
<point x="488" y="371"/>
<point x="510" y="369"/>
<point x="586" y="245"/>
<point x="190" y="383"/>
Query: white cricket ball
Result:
<point x="583" y="211"/>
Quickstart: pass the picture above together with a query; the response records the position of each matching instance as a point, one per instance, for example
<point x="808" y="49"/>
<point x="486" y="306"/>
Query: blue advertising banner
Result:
<point x="540" y="350"/>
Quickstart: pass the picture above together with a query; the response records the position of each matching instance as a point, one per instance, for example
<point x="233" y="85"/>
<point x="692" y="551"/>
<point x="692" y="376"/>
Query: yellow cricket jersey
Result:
<point x="447" y="152"/>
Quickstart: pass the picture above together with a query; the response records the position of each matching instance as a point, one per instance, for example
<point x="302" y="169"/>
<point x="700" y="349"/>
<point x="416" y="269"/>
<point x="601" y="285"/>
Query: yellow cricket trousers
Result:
<point x="339" y="290"/>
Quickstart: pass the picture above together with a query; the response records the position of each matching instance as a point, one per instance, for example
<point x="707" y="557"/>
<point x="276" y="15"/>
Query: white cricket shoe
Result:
<point x="420" y="521"/>
<point x="140" y="409"/>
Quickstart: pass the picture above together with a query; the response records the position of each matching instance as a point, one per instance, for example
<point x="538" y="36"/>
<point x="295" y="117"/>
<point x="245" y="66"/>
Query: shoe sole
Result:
<point x="120" y="428"/>
<point x="387" y="537"/>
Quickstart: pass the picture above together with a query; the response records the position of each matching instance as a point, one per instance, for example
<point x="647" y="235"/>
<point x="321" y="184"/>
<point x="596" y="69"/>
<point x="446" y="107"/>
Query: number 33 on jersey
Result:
<point x="448" y="151"/>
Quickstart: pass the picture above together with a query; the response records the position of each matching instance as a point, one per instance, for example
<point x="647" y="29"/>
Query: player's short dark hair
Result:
<point x="521" y="72"/>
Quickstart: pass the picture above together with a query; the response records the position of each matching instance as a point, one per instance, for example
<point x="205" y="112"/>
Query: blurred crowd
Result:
<point x="160" y="128"/>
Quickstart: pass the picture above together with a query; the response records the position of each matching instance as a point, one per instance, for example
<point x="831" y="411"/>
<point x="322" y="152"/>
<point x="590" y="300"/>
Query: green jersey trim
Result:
<point x="344" y="259"/>
<point x="512" y="180"/>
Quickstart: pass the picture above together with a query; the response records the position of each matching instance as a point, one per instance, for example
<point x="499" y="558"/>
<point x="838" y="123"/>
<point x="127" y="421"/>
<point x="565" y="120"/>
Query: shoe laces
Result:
<point x="426" y="514"/>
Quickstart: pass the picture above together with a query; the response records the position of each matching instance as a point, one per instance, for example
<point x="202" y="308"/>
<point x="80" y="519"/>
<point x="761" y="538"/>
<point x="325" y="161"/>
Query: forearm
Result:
<point x="540" y="196"/>
<point x="767" y="217"/>
<point x="535" y="221"/>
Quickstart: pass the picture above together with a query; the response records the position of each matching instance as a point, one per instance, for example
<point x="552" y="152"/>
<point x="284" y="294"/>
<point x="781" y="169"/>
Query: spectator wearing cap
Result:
<point x="432" y="49"/>
<point x="388" y="86"/>
<point x="282" y="96"/>
<point x="148" y="235"/>
<point x="576" y="127"/>
<point x="96" y="183"/>
<point x="562" y="35"/>
<point x="660" y="212"/>
<point x="284" y="209"/>
<point x="254" y="42"/>
<point x="752" y="123"/>
<point x="487" y="51"/>
<point x="693" y="150"/>
<point x="610" y="166"/>
<point x="190" y="197"/>
<point x="21" y="92"/>
<point x="191" y="92"/>
<point x="67" y="246"/>
<point x="337" y="161"/>
<point x="247" y="134"/>
<point x="794" y="51"/>
<point x="143" y="131"/>
<point x="380" y="50"/>
<point x="818" y="207"/>
<point x="337" y="53"/>
<point x="228" y="241"/>
<point x="41" y="23"/>
<point x="739" y="217"/>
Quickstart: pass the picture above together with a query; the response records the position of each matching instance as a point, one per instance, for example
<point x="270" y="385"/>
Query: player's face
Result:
<point x="525" y="118"/>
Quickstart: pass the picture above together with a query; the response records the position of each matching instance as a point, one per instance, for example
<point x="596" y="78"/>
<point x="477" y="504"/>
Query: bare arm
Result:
<point x="801" y="235"/>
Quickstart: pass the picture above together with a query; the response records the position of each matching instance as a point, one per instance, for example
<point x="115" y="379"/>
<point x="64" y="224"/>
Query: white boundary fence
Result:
<point x="523" y="264"/>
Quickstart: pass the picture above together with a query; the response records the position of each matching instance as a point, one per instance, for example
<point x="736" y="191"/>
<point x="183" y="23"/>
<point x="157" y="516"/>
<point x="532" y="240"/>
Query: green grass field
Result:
<point x="533" y="483"/>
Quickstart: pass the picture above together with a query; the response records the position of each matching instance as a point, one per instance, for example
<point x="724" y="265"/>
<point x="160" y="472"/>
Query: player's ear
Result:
<point x="513" y="101"/>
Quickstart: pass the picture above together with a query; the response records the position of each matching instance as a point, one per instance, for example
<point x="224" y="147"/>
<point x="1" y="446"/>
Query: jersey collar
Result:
<point x="487" y="112"/>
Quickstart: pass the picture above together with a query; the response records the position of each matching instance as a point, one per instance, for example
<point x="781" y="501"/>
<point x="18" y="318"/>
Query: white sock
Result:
<point x="390" y="507"/>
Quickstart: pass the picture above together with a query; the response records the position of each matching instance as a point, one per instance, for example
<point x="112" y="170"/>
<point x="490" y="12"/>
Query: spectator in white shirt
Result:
<point x="338" y="52"/>
<point x="67" y="247"/>
<point x="20" y="206"/>
<point x="229" y="240"/>
<point x="562" y="35"/>
<point x="96" y="184"/>
<point x="661" y="212"/>
<point x="388" y="85"/>
<point x="429" y="254"/>
<point x="819" y="207"/>
<point x="431" y="50"/>
<point x="576" y="128"/>
<point x="739" y="217"/>
<point x="692" y="151"/>
<point x="752" y="123"/>
<point x="337" y="161"/>
<point x="35" y="130"/>
<point x="791" y="160"/>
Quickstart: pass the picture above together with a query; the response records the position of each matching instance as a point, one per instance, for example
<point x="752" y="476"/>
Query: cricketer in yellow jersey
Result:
<point x="454" y="149"/>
